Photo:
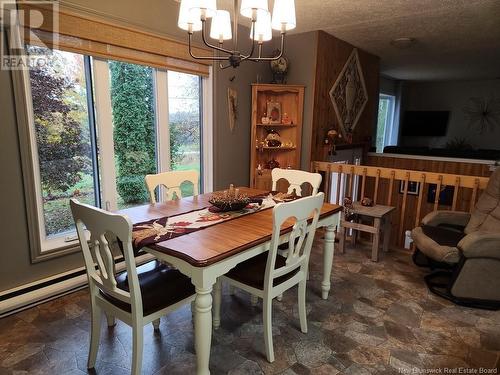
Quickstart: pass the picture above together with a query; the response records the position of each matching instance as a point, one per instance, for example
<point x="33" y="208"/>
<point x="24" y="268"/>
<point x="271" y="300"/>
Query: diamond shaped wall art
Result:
<point x="348" y="95"/>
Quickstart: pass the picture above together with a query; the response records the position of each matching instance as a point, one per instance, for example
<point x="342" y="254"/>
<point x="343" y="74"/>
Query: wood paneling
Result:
<point x="388" y="185"/>
<point x="332" y="54"/>
<point x="429" y="165"/>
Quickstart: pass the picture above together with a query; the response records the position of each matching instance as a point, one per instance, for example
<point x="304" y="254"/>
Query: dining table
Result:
<point x="206" y="254"/>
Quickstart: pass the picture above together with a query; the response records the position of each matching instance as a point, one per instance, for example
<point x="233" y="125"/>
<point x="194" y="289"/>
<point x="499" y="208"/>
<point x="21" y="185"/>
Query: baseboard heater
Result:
<point x="35" y="293"/>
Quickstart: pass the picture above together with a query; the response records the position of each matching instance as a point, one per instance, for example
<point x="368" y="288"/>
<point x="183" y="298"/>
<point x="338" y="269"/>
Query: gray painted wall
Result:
<point x="231" y="150"/>
<point x="301" y="52"/>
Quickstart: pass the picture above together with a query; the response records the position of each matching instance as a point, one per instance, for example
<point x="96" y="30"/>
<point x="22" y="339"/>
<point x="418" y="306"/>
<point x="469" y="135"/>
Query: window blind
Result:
<point x="107" y="39"/>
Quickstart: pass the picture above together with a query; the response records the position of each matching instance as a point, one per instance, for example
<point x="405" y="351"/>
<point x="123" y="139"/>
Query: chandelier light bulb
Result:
<point x="249" y="6"/>
<point x="188" y="20"/>
<point x="263" y="30"/>
<point x="221" y="26"/>
<point x="203" y="8"/>
<point x="284" y="15"/>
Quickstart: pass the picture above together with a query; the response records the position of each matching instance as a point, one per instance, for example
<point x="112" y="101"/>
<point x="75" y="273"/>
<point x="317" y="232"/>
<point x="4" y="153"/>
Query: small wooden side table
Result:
<point x="381" y="221"/>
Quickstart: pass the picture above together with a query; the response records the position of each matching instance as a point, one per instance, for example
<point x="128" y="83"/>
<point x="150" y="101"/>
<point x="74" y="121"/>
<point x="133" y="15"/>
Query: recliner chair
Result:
<point x="463" y="250"/>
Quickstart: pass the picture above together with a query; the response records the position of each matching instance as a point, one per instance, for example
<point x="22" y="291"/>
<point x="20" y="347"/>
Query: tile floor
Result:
<point x="379" y="319"/>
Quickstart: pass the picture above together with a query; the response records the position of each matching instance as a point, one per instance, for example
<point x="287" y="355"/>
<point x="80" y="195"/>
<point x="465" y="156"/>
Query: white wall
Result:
<point x="451" y="96"/>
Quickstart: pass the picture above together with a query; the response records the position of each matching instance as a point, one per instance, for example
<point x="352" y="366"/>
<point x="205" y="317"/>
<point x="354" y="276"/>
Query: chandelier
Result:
<point x="193" y="15"/>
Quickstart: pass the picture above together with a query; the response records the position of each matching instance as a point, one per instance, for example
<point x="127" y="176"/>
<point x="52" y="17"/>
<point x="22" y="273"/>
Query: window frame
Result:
<point x="41" y="248"/>
<point x="389" y="127"/>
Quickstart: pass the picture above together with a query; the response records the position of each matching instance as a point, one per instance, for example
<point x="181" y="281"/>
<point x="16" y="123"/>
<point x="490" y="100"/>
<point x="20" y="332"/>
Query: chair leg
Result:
<point x="110" y="319"/>
<point x="137" y="347"/>
<point x="254" y="300"/>
<point x="95" y="335"/>
<point x="268" y="328"/>
<point x="302" y="306"/>
<point x="216" y="304"/>
<point x="156" y="324"/>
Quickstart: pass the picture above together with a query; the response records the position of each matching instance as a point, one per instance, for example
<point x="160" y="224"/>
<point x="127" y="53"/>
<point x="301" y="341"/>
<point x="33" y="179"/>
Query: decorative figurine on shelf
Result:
<point x="265" y="119"/>
<point x="273" y="163"/>
<point x="273" y="138"/>
<point x="286" y="120"/>
<point x="279" y="68"/>
<point x="261" y="145"/>
<point x="259" y="169"/>
<point x="367" y="202"/>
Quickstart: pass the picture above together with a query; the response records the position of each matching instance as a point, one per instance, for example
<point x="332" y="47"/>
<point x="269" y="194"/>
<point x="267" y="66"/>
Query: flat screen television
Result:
<point x="425" y="123"/>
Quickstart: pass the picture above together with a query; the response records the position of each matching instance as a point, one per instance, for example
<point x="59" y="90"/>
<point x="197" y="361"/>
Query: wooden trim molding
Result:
<point x="108" y="39"/>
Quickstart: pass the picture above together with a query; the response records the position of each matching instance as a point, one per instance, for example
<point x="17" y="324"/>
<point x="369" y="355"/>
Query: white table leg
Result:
<point x="203" y="329"/>
<point x="327" y="260"/>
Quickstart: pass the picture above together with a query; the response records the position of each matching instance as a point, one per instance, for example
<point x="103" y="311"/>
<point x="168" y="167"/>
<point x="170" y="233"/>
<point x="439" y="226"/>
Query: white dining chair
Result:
<point x="137" y="296"/>
<point x="172" y="182"/>
<point x="270" y="274"/>
<point x="296" y="178"/>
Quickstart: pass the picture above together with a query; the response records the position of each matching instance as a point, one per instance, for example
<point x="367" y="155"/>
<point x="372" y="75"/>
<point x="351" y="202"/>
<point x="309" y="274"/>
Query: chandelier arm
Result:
<point x="243" y="57"/>
<point x="281" y="51"/>
<point x="217" y="58"/>
<point x="221" y="66"/>
<point x="204" y="38"/>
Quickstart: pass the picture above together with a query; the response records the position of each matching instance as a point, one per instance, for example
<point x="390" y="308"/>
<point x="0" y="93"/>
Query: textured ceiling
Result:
<point x="455" y="39"/>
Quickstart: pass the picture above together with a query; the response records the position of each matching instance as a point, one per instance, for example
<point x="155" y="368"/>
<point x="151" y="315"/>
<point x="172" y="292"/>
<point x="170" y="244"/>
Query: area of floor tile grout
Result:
<point x="379" y="319"/>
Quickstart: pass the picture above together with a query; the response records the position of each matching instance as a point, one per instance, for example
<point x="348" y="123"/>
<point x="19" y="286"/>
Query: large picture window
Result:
<point x="98" y="127"/>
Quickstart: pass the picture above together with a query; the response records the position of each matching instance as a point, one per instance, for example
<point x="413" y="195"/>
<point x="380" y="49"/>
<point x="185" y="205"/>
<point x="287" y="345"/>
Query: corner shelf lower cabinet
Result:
<point x="276" y="108"/>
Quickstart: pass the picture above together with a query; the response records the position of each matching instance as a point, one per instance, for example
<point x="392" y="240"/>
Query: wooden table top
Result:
<point x="378" y="210"/>
<point x="214" y="243"/>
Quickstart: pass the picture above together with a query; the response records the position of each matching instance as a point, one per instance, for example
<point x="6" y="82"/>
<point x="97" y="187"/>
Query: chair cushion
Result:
<point x="252" y="271"/>
<point x="438" y="243"/>
<point x="161" y="286"/>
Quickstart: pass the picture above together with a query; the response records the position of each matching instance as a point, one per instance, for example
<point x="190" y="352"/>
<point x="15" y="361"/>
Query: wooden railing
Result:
<point x="389" y="186"/>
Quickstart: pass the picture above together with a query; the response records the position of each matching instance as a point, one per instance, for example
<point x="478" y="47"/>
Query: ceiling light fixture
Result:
<point x="403" y="42"/>
<point x="193" y="15"/>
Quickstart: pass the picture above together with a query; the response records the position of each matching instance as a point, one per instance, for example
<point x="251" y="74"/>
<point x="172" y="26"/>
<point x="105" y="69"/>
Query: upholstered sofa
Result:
<point x="463" y="250"/>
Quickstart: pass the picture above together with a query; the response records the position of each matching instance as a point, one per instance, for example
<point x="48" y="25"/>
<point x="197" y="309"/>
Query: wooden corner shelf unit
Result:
<point x="291" y="99"/>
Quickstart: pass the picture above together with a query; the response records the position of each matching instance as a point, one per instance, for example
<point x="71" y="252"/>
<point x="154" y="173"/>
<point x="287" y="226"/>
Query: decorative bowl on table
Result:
<point x="225" y="201"/>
